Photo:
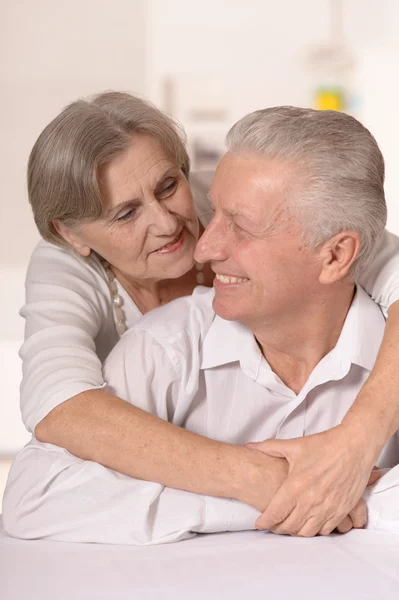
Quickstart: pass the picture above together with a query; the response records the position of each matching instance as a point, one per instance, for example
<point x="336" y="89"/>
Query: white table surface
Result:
<point x="359" y="565"/>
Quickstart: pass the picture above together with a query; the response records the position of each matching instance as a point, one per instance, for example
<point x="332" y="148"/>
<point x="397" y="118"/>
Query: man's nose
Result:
<point x="161" y="220"/>
<point x="211" y="246"/>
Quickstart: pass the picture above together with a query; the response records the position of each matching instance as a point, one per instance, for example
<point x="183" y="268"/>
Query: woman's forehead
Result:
<point x="144" y="165"/>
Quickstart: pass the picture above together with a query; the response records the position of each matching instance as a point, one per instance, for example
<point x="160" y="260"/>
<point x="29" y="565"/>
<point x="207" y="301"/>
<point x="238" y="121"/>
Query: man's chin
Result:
<point x="225" y="312"/>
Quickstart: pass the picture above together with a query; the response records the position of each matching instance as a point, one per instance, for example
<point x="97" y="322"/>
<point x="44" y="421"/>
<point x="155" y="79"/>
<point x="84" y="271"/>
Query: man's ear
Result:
<point x="72" y="238"/>
<point x="338" y="255"/>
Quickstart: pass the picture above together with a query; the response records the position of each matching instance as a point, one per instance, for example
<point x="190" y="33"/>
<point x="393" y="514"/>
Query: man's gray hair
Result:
<point x="337" y="164"/>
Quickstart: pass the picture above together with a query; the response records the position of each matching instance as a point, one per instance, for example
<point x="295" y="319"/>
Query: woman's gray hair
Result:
<point x="65" y="162"/>
<point x="337" y="166"/>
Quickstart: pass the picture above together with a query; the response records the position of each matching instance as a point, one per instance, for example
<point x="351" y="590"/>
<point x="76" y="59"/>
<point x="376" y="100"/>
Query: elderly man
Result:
<point x="279" y="349"/>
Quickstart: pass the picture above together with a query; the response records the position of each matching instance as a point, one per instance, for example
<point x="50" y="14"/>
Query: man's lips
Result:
<point x="224" y="279"/>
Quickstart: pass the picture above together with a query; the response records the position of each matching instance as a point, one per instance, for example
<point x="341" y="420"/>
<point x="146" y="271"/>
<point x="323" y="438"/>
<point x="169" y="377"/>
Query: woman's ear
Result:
<point x="338" y="255"/>
<point x="72" y="238"/>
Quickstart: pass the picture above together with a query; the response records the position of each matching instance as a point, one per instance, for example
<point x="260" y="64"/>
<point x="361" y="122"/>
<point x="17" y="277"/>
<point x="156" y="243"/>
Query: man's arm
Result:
<point x="52" y="495"/>
<point x="226" y="480"/>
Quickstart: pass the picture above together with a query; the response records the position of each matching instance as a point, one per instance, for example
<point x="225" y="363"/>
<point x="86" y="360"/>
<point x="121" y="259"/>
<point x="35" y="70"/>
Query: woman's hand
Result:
<point x="328" y="473"/>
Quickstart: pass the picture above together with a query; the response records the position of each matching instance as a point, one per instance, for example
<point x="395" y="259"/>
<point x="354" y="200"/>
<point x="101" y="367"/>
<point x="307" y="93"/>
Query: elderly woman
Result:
<point x="109" y="188"/>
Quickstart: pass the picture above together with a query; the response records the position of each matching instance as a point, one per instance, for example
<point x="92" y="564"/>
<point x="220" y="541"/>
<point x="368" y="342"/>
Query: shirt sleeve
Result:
<point x="107" y="506"/>
<point x="382" y="501"/>
<point x="381" y="280"/>
<point x="64" y="310"/>
<point x="146" y="373"/>
<point x="102" y="506"/>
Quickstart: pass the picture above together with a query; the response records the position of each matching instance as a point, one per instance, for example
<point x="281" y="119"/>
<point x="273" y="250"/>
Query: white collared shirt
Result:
<point x="216" y="366"/>
<point x="227" y="391"/>
<point x="70" y="321"/>
<point x="192" y="368"/>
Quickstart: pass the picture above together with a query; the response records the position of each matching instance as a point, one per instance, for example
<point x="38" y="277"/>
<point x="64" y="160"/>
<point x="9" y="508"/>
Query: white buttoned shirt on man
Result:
<point x="190" y="367"/>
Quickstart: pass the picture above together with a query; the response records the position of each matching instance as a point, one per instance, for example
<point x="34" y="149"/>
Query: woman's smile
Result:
<point x="172" y="246"/>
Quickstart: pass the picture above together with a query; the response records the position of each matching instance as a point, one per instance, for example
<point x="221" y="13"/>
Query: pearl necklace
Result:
<point x="117" y="300"/>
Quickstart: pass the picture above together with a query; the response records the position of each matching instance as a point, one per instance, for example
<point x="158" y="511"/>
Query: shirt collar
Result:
<point x="359" y="342"/>
<point x="230" y="341"/>
<point x="364" y="325"/>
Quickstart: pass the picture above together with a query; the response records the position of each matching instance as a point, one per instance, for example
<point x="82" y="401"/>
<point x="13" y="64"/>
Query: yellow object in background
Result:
<point x="329" y="99"/>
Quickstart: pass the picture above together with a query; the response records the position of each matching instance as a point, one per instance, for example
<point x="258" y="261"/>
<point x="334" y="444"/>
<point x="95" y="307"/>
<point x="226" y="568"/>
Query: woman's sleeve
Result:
<point x="63" y="313"/>
<point x="381" y="280"/>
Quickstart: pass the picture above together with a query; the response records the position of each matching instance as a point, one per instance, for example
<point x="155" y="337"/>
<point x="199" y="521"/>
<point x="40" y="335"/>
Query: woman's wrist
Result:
<point x="369" y="422"/>
<point x="257" y="477"/>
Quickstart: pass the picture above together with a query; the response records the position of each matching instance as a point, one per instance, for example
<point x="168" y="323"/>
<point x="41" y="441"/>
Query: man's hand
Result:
<point x="357" y="518"/>
<point x="328" y="472"/>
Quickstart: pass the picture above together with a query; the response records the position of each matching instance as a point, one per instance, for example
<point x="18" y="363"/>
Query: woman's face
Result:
<point x="149" y="229"/>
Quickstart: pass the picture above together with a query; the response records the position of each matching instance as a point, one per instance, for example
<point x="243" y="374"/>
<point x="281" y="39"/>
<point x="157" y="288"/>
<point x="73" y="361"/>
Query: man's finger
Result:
<point x="345" y="525"/>
<point x="291" y="525"/>
<point x="330" y="525"/>
<point x="276" y="448"/>
<point x="359" y="515"/>
<point x="310" y="528"/>
<point x="281" y="506"/>
<point x="375" y="475"/>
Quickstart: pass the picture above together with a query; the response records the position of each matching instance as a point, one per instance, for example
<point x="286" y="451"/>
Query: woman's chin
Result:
<point x="178" y="266"/>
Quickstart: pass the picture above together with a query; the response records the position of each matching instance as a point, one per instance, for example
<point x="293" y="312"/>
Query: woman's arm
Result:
<point x="63" y="403"/>
<point x="100" y="427"/>
<point x="65" y="309"/>
<point x="376" y="409"/>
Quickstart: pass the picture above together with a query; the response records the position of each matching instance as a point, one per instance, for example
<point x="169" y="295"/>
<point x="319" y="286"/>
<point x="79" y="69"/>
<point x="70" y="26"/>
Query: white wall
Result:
<point x="52" y="53"/>
<point x="379" y="78"/>
<point x="255" y="50"/>
<point x="245" y="53"/>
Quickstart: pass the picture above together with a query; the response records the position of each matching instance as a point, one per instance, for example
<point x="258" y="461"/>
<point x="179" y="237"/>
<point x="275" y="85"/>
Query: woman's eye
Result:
<point x="125" y="216"/>
<point x="170" y="187"/>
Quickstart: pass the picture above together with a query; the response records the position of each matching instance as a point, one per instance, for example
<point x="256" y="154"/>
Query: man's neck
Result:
<point x="296" y="343"/>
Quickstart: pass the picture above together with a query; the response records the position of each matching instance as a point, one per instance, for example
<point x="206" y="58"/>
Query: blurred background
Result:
<point x="207" y="63"/>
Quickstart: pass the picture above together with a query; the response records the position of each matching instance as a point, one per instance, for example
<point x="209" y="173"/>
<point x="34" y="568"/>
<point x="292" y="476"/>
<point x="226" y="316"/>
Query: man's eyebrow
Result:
<point x="134" y="202"/>
<point x="233" y="214"/>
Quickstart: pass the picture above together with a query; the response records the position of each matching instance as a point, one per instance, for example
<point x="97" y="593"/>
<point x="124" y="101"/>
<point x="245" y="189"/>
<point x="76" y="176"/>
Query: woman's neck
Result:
<point x="149" y="294"/>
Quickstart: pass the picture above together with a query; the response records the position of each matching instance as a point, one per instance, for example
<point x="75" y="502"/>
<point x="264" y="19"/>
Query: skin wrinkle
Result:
<point x="132" y="176"/>
<point x="130" y="245"/>
<point x="295" y="318"/>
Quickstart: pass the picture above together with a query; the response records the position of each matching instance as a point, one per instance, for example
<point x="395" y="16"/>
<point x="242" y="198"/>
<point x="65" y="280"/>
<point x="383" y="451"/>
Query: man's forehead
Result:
<point x="245" y="180"/>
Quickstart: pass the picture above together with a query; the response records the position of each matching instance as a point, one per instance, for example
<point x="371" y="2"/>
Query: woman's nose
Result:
<point x="162" y="221"/>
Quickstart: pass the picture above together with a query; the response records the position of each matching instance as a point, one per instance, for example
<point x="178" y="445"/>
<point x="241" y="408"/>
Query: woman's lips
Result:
<point x="173" y="245"/>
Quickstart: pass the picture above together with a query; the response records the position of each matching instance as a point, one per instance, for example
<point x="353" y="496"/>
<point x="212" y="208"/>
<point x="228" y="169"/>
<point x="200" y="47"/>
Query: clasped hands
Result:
<point x="327" y="475"/>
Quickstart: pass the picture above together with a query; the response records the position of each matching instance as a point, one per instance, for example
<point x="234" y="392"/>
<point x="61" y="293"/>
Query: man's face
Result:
<point x="263" y="270"/>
